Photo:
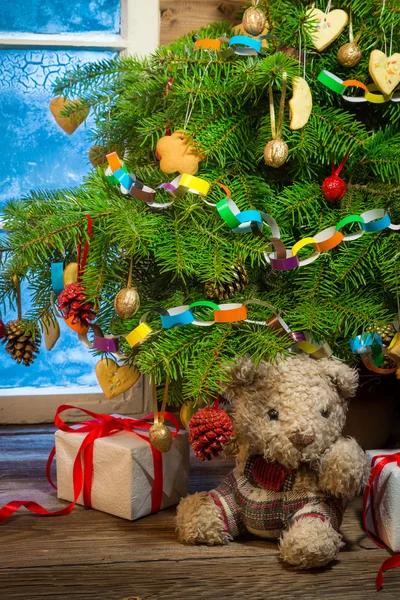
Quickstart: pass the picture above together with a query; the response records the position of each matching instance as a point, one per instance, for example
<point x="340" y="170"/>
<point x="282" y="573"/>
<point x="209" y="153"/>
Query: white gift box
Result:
<point x="386" y="502"/>
<point x="123" y="472"/>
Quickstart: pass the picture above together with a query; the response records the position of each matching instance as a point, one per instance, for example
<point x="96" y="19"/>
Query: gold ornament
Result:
<point x="127" y="302"/>
<point x="160" y="437"/>
<point x="276" y="153"/>
<point x="254" y="20"/>
<point x="349" y="55"/>
<point x="70" y="274"/>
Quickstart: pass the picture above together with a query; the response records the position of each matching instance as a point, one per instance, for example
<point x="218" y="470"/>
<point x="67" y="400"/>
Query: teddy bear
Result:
<point x="294" y="471"/>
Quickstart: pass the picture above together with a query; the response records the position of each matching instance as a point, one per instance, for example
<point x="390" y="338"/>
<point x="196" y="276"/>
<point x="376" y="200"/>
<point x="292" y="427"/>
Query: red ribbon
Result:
<point x="82" y="473"/>
<point x="81" y="265"/>
<point x="393" y="561"/>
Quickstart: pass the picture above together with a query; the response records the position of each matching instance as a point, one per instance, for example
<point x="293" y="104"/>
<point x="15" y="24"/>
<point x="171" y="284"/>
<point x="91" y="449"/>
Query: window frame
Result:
<point x="139" y="34"/>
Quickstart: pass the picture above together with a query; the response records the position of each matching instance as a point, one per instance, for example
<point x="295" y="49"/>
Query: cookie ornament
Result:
<point x="300" y="103"/>
<point x="113" y="379"/>
<point x="385" y="71"/>
<point x="177" y="155"/>
<point x="330" y="25"/>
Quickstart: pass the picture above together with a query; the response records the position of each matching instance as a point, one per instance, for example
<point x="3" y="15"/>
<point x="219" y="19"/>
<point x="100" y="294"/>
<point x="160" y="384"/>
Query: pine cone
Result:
<point x="387" y="333"/>
<point x="21" y="341"/>
<point x="225" y="291"/>
<point x="72" y="303"/>
<point x="209" y="430"/>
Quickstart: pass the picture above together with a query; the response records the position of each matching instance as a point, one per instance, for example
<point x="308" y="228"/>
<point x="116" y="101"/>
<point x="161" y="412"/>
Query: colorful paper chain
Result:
<point x="251" y="221"/>
<point x="224" y="313"/>
<point x="238" y="44"/>
<point x="372" y="351"/>
<point x="339" y="86"/>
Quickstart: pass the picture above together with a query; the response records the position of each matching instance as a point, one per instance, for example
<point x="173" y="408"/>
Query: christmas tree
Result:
<point x="221" y="103"/>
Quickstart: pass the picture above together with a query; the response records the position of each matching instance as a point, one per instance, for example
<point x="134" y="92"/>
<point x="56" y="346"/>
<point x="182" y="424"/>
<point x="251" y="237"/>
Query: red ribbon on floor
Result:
<point x="393" y="561"/>
<point x="82" y="473"/>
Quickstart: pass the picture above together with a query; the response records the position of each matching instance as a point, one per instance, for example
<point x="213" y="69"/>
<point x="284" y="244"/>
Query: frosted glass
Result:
<point x="60" y="16"/>
<point x="35" y="152"/>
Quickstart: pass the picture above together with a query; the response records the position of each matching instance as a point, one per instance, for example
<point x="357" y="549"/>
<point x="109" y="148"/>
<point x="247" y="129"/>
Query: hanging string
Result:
<point x="129" y="284"/>
<point x="192" y="102"/>
<point x="82" y="264"/>
<point x="391" y="40"/>
<point x="165" y="396"/>
<point x="328" y="7"/>
<point x="276" y="131"/>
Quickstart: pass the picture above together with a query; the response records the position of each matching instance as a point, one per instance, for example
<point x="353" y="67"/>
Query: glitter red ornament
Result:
<point x="2" y="329"/>
<point x="209" y="430"/>
<point x="333" y="187"/>
<point x="72" y="303"/>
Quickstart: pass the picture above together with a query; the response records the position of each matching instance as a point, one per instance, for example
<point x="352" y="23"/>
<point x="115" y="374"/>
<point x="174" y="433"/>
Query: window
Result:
<point x="39" y="41"/>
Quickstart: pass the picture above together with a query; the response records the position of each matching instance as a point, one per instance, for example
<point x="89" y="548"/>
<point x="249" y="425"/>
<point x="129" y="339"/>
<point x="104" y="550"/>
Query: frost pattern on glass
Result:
<point x="36" y="152"/>
<point x="59" y="16"/>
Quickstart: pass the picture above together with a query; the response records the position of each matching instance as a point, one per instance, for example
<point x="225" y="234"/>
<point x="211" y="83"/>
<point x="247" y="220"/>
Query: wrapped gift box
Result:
<point x="123" y="472"/>
<point x="386" y="502"/>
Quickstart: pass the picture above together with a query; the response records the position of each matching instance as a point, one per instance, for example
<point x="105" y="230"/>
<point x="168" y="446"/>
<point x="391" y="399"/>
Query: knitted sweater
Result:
<point x="265" y="498"/>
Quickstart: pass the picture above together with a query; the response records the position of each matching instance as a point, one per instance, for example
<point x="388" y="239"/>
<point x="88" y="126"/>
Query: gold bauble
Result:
<point x="160" y="437"/>
<point x="127" y="302"/>
<point x="349" y="55"/>
<point x="276" y="153"/>
<point x="253" y="21"/>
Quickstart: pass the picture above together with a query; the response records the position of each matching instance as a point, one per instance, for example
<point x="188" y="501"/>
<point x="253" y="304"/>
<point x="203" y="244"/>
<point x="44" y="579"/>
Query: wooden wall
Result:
<point x="181" y="16"/>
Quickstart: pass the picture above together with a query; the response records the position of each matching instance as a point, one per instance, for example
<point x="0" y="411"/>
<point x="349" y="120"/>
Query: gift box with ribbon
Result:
<point x="130" y="478"/>
<point x="381" y="506"/>
<point x="109" y="464"/>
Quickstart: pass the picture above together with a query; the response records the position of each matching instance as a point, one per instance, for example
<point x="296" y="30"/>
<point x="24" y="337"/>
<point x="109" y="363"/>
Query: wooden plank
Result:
<point x="179" y="17"/>
<point x="89" y="554"/>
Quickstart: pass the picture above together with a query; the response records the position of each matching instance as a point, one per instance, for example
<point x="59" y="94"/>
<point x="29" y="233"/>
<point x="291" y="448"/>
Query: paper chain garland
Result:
<point x="238" y="44"/>
<point x="370" y="346"/>
<point x="339" y="86"/>
<point x="251" y="221"/>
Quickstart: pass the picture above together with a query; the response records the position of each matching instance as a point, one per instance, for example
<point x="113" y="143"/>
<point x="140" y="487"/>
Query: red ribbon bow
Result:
<point x="82" y="473"/>
<point x="393" y="561"/>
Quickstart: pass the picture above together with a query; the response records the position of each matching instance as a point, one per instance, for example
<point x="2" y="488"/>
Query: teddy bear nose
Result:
<point x="301" y="441"/>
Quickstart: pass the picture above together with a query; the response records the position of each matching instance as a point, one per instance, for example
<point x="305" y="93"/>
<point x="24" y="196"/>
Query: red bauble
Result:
<point x="72" y="302"/>
<point x="2" y="329"/>
<point x="209" y="430"/>
<point x="334" y="188"/>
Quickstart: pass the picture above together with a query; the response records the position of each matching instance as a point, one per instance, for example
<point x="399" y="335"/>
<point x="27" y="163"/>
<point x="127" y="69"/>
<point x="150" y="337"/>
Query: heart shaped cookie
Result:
<point x="68" y="124"/>
<point x="384" y="71"/>
<point x="177" y="155"/>
<point x="330" y="26"/>
<point x="113" y="379"/>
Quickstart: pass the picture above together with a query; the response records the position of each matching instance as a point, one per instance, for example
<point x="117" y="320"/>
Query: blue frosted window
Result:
<point x="35" y="154"/>
<point x="60" y="16"/>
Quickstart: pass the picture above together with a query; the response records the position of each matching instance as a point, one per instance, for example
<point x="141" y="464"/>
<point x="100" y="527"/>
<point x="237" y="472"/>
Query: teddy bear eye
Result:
<point x="273" y="414"/>
<point x="325" y="412"/>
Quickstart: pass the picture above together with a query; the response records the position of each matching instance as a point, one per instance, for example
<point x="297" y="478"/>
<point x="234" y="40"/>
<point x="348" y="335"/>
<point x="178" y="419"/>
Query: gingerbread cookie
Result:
<point x="177" y="155"/>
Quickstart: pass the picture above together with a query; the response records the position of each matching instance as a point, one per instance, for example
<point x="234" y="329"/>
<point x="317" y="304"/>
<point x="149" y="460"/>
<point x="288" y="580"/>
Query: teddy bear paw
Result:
<point x="343" y="468"/>
<point x="310" y="542"/>
<point x="199" y="521"/>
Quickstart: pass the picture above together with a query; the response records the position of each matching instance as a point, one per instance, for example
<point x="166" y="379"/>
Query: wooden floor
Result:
<point x="88" y="554"/>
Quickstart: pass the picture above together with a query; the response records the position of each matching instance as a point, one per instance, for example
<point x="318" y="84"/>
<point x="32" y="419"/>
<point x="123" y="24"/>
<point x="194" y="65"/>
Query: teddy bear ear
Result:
<point x="240" y="375"/>
<point x="342" y="376"/>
